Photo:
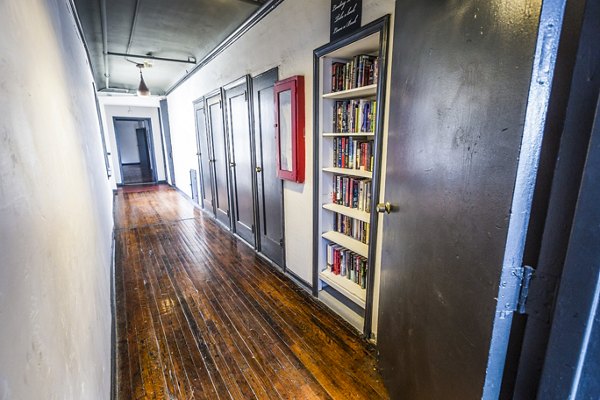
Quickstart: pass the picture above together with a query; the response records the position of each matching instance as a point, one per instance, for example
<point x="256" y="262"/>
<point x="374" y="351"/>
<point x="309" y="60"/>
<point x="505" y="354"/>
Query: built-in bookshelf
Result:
<point x="349" y="111"/>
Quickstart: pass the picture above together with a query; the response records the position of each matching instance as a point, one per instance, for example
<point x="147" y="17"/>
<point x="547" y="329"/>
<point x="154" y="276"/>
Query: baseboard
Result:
<point x="299" y="281"/>
<point x="113" y="330"/>
<point x="184" y="194"/>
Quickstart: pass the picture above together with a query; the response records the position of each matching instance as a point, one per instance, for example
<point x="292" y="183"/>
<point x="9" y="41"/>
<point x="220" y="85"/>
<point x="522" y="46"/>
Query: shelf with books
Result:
<point x="349" y="134"/>
<point x="349" y="171"/>
<point x="349" y="101"/>
<point x="364" y="91"/>
<point x="348" y="211"/>
<point x="348" y="242"/>
<point x="344" y="285"/>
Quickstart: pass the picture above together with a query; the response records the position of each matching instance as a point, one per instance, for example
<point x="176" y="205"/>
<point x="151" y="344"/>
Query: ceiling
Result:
<point x="174" y="29"/>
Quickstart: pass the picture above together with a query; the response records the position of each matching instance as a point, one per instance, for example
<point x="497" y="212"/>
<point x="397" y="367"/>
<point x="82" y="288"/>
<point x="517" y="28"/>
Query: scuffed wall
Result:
<point x="285" y="38"/>
<point x="55" y="211"/>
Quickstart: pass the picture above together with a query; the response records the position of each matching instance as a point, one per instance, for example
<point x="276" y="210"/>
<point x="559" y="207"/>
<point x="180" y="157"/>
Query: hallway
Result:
<point x="200" y="315"/>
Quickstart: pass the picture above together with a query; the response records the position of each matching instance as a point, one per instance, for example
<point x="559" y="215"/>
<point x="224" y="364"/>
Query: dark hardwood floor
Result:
<point x="201" y="316"/>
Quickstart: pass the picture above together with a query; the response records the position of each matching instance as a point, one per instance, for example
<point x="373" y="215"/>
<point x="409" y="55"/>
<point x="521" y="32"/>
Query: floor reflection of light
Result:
<point x="166" y="306"/>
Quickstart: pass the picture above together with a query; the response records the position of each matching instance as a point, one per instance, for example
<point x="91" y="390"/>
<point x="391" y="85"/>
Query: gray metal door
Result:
<point x="240" y="160"/>
<point x="269" y="187"/>
<point x="142" y="144"/>
<point x="219" y="160"/>
<point x="204" y="153"/>
<point x="572" y="365"/>
<point x="449" y="266"/>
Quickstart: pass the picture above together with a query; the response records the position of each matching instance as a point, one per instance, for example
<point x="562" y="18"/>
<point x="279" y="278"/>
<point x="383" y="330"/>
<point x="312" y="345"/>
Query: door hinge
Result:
<point x="281" y="242"/>
<point x="253" y="230"/>
<point x="526" y="276"/>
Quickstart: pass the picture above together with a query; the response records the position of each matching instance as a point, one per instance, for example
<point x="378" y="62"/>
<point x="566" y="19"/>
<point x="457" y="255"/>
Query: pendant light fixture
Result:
<point x="142" y="88"/>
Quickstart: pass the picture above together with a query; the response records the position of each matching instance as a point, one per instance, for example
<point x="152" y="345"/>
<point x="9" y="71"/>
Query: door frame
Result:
<point x="573" y="335"/>
<point x="209" y="98"/>
<point x="569" y="121"/>
<point x="258" y="161"/>
<point x="150" y="141"/>
<point x="163" y="116"/>
<point x="200" y="104"/>
<point x="243" y="82"/>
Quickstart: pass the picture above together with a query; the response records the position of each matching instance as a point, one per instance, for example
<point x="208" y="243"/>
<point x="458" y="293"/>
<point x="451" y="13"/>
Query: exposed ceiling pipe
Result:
<point x="104" y="23"/>
<point x="190" y="60"/>
<point x="254" y="2"/>
<point x="133" y="24"/>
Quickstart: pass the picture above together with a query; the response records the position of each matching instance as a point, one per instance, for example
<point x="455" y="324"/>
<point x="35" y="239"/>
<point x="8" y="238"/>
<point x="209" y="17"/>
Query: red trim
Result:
<point x="294" y="84"/>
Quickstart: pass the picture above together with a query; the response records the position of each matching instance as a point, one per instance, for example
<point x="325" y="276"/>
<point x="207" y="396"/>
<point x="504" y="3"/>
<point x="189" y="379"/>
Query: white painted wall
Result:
<point x="285" y="38"/>
<point x="127" y="138"/>
<point x="55" y="211"/>
<point x="109" y="110"/>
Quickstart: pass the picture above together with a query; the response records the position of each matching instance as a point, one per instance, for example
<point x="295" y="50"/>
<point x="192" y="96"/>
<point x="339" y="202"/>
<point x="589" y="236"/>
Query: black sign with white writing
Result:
<point x="345" y="17"/>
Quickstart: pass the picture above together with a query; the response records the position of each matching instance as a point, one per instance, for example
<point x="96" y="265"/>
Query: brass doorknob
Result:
<point x="384" y="207"/>
<point x="258" y="169"/>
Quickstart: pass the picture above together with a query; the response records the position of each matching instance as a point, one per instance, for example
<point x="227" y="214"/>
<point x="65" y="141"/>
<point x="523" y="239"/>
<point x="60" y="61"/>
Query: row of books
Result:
<point x="341" y="261"/>
<point x="354" y="116"/>
<point x="353" y="153"/>
<point x="352" y="192"/>
<point x="362" y="70"/>
<point x="352" y="227"/>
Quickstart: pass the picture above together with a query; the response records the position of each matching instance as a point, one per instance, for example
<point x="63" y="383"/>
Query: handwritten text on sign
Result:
<point x="345" y="17"/>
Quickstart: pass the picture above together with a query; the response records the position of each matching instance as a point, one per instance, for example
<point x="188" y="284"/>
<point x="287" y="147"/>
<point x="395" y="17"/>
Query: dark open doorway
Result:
<point x="136" y="150"/>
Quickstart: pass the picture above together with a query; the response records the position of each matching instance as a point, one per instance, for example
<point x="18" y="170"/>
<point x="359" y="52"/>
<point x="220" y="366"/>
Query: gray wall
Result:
<point x="127" y="141"/>
<point x="55" y="211"/>
<point x="299" y="27"/>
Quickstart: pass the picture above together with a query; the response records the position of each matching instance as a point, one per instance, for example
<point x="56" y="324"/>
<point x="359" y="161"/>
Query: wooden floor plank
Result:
<point x="201" y="316"/>
<point x="338" y="353"/>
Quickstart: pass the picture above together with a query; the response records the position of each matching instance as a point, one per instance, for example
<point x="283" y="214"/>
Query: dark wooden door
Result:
<point x="450" y="263"/>
<point x="240" y="160"/>
<point x="142" y="144"/>
<point x="204" y="153"/>
<point x="269" y="187"/>
<point x="219" y="160"/>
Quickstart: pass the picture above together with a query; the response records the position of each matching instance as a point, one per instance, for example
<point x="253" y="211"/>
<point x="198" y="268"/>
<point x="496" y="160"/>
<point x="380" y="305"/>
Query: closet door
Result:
<point x="204" y="153"/>
<point x="452" y="244"/>
<point x="240" y="159"/>
<point x="269" y="187"/>
<point x="214" y="114"/>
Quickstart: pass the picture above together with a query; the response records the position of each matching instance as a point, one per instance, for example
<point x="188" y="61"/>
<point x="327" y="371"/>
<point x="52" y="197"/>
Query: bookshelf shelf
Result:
<point x="364" y="91"/>
<point x="358" y="62"/>
<point x="346" y="241"/>
<point x="356" y="134"/>
<point x="349" y="171"/>
<point x="345" y="286"/>
<point x="348" y="211"/>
